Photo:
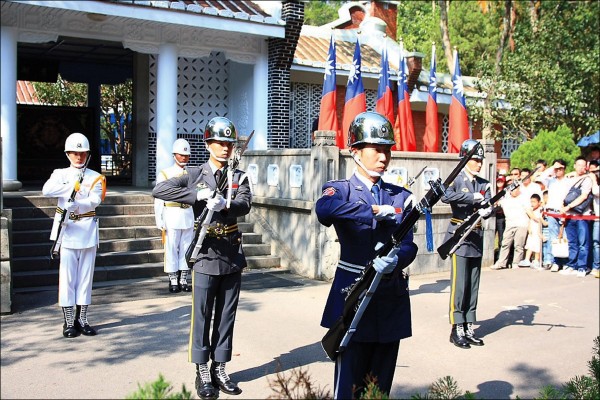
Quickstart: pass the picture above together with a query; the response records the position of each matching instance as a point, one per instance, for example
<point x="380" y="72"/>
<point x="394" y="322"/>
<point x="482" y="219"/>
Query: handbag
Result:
<point x="560" y="245"/>
<point x="573" y="194"/>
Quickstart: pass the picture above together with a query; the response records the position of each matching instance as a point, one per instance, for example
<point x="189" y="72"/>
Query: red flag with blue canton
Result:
<point x="328" y="120"/>
<point x="385" y="98"/>
<point x="355" y="94"/>
<point x="458" y="130"/>
<point x="431" y="138"/>
<point x="404" y="131"/>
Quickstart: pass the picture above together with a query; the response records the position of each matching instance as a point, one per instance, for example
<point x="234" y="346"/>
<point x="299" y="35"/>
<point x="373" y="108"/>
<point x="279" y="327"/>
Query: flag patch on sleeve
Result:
<point x="329" y="191"/>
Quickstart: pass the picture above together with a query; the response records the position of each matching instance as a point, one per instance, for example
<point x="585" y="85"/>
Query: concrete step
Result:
<point x="102" y="210"/>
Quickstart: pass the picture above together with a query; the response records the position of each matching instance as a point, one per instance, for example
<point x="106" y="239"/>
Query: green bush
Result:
<point x="159" y="389"/>
<point x="549" y="146"/>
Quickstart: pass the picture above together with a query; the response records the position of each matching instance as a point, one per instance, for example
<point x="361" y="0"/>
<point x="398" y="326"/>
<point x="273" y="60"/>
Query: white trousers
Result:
<point x="177" y="242"/>
<point x="75" y="276"/>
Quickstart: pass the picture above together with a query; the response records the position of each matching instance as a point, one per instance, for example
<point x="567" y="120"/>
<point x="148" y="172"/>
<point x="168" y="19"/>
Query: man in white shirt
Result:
<point x="515" y="233"/>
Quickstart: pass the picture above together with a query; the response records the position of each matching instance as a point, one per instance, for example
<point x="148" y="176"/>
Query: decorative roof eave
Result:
<point x="191" y="15"/>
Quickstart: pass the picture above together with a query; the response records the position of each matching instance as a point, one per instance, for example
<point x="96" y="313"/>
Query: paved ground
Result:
<point x="538" y="328"/>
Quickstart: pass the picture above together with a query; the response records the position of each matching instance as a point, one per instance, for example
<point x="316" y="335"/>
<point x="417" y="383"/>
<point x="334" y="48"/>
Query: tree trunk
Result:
<point x="445" y="35"/>
<point x="488" y="120"/>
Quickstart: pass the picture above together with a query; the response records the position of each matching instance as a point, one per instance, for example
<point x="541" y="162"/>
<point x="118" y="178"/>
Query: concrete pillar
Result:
<point x="260" y="101"/>
<point x="166" y="105"/>
<point x="8" y="128"/>
<point x="325" y="166"/>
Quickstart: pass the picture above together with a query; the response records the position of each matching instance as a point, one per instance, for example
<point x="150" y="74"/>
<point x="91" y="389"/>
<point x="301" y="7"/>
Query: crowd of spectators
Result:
<point x="540" y="211"/>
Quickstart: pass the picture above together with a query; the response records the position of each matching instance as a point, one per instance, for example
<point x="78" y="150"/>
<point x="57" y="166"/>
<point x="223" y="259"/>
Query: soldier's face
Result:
<point x="77" y="158"/>
<point x="474" y="165"/>
<point x="219" y="150"/>
<point x="375" y="157"/>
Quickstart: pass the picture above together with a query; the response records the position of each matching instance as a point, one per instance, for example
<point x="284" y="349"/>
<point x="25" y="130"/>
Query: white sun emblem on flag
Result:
<point x="458" y="85"/>
<point x="354" y="71"/>
<point x="328" y="68"/>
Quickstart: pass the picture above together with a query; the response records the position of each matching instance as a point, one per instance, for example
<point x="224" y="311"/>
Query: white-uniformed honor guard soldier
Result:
<point x="217" y="272"/>
<point x="77" y="238"/>
<point x="176" y="221"/>
<point x="365" y="211"/>
<point x="465" y="195"/>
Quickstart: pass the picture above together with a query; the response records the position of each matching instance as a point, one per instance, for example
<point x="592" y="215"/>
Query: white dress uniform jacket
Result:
<point x="167" y="214"/>
<point x="81" y="233"/>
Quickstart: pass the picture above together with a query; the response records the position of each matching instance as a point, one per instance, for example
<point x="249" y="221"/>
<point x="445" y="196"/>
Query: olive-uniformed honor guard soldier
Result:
<point x="365" y="211"/>
<point x="464" y="195"/>
<point x="176" y="221"/>
<point x="218" y="269"/>
<point x="77" y="238"/>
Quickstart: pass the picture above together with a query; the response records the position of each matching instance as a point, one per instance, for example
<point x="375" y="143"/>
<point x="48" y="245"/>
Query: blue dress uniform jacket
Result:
<point x="460" y="195"/>
<point x="346" y="204"/>
<point x="217" y="256"/>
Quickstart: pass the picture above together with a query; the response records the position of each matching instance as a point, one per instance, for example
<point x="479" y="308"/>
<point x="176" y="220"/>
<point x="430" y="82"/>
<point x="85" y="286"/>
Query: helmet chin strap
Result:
<point x="181" y="164"/>
<point x="221" y="159"/>
<point x="374" y="174"/>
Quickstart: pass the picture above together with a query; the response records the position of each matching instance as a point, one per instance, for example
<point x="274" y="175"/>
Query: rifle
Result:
<point x="466" y="227"/>
<point x="360" y="292"/>
<point x="412" y="180"/>
<point x="55" y="249"/>
<point x="201" y="223"/>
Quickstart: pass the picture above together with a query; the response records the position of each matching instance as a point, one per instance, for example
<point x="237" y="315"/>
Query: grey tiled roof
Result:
<point x="238" y="10"/>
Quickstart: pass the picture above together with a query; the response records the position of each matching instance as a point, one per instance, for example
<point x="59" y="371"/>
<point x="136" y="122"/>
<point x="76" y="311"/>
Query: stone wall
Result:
<point x="287" y="183"/>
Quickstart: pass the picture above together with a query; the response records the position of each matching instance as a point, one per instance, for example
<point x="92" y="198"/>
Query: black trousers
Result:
<point x="218" y="293"/>
<point x="464" y="289"/>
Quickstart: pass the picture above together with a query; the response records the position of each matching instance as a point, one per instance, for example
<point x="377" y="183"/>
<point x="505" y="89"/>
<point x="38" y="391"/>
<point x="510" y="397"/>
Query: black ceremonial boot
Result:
<point x="82" y="323"/>
<point x="173" y="284"/>
<point x="470" y="335"/>
<point x="458" y="338"/>
<point x="221" y="379"/>
<point x="204" y="386"/>
<point x="183" y="284"/>
<point x="69" y="330"/>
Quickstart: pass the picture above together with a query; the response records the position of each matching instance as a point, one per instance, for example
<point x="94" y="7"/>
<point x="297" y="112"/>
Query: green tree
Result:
<point x="62" y="93"/>
<point x="319" y="13"/>
<point x="549" y="146"/>
<point x="552" y="76"/>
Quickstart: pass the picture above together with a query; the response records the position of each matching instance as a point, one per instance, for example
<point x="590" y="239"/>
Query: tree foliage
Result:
<point x="319" y="13"/>
<point x="552" y="76"/>
<point x="62" y="93"/>
<point x="549" y="146"/>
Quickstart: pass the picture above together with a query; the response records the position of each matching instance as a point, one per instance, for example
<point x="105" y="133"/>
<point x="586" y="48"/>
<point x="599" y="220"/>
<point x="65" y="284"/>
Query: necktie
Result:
<point x="376" y="194"/>
<point x="218" y="175"/>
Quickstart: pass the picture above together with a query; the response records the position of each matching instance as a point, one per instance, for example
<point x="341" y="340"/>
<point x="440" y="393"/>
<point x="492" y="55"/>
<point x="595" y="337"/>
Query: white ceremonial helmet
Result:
<point x="181" y="146"/>
<point x="77" y="142"/>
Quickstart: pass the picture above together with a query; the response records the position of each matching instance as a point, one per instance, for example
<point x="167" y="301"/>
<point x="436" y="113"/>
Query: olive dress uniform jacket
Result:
<point x="460" y="194"/>
<point x="218" y="255"/>
<point x="346" y="204"/>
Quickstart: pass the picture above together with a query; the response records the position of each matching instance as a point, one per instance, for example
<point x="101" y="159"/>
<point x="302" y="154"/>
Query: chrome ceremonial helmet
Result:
<point x="370" y="127"/>
<point x="467" y="146"/>
<point x="220" y="128"/>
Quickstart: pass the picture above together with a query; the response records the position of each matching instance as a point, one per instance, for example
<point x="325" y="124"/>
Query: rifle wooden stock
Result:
<point x="332" y="339"/>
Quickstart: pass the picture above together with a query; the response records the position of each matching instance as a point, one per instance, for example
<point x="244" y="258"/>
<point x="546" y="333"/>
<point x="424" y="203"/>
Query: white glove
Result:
<point x="216" y="203"/>
<point x="160" y="225"/>
<point x="70" y="207"/>
<point x="385" y="212"/>
<point x="385" y="265"/>
<point x="204" y="194"/>
<point x="477" y="196"/>
<point x="485" y="212"/>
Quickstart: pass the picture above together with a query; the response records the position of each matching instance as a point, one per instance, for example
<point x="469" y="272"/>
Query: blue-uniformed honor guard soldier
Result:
<point x="217" y="273"/>
<point x="469" y="193"/>
<point x="365" y="211"/>
<point x="176" y="221"/>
